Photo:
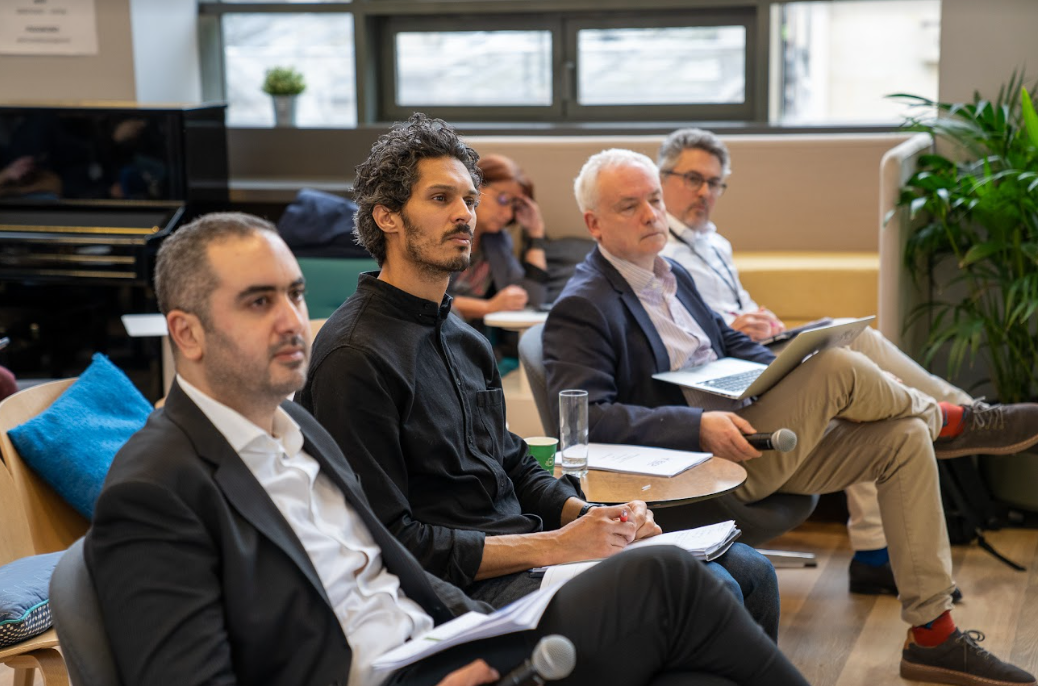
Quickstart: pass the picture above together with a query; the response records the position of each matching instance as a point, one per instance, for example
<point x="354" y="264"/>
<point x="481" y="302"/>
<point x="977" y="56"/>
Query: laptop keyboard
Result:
<point x="734" y="382"/>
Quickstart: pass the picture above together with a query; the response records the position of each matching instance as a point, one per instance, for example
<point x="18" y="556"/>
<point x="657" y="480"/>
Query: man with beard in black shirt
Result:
<point x="423" y="421"/>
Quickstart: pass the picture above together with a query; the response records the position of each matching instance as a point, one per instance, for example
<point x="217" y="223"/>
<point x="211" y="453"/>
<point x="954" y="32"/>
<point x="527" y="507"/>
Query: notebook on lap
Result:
<point x="738" y="379"/>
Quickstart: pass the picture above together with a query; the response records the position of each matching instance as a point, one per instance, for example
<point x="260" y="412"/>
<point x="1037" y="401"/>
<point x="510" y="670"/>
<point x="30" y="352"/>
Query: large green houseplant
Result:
<point x="975" y="209"/>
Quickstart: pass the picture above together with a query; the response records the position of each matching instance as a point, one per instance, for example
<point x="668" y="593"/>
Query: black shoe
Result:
<point x="871" y="580"/>
<point x="959" y="660"/>
<point x="992" y="430"/>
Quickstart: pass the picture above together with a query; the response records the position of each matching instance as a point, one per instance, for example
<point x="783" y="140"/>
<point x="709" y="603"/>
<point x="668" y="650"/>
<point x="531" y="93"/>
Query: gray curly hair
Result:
<point x="688" y="139"/>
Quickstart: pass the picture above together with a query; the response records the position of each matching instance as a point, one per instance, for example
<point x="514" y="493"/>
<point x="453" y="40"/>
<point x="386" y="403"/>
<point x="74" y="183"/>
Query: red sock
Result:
<point x="936" y="632"/>
<point x="953" y="416"/>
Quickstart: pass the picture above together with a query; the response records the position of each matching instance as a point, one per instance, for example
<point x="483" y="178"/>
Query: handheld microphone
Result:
<point x="782" y="440"/>
<point x="553" y="658"/>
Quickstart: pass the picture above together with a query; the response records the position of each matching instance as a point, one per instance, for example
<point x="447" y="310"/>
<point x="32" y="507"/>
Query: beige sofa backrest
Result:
<point x="789" y="192"/>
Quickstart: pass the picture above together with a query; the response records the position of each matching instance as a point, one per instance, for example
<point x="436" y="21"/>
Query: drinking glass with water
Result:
<point x="573" y="432"/>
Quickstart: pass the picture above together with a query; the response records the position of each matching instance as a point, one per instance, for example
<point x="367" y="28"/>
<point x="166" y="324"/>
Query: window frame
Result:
<point x="390" y="110"/>
<point x="743" y="111"/>
<point x="371" y="18"/>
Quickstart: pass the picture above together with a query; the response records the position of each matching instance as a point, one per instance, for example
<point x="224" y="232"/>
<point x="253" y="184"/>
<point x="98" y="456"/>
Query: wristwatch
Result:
<point x="539" y="243"/>
<point x="584" y="510"/>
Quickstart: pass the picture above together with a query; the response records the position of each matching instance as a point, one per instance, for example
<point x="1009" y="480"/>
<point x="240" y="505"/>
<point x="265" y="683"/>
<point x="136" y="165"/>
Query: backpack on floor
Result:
<point x="969" y="509"/>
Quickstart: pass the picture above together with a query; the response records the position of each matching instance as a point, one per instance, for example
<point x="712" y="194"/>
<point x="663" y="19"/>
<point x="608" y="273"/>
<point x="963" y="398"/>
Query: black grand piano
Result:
<point x="87" y="193"/>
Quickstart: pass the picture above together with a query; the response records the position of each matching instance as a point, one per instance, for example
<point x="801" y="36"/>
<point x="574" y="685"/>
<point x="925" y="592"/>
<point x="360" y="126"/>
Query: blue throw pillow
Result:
<point x="71" y="444"/>
<point x="24" y="608"/>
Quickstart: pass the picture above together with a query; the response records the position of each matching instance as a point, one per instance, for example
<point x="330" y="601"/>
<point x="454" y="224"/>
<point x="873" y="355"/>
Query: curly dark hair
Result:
<point x="388" y="176"/>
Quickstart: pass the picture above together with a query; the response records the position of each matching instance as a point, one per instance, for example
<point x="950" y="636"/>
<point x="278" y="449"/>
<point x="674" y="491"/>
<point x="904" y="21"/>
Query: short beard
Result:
<point x="248" y="385"/>
<point x="423" y="264"/>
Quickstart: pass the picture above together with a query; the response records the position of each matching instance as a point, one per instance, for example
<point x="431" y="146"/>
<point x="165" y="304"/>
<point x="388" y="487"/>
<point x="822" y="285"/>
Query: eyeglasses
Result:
<point x="695" y="181"/>
<point x="503" y="199"/>
<point x="506" y="199"/>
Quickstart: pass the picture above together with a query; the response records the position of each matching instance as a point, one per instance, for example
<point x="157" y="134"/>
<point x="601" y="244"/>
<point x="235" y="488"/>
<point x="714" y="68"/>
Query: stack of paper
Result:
<point x="636" y="459"/>
<point x="522" y="615"/>
<point x="705" y="543"/>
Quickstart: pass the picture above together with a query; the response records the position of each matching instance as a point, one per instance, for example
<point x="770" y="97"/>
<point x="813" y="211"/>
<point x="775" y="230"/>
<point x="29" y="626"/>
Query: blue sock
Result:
<point x="872" y="558"/>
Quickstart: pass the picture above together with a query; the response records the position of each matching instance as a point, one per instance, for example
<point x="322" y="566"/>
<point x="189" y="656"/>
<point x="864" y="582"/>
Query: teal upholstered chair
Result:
<point x="330" y="280"/>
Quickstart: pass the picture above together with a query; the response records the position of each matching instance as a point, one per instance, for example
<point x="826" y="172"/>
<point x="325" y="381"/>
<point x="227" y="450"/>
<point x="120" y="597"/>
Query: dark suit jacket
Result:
<point x="598" y="337"/>
<point x="201" y="579"/>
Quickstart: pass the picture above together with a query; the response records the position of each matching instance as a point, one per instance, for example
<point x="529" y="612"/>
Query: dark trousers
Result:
<point x="744" y="572"/>
<point x="636" y="617"/>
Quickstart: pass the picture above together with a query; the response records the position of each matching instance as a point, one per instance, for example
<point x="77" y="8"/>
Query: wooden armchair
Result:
<point x="53" y="524"/>
<point x="38" y="652"/>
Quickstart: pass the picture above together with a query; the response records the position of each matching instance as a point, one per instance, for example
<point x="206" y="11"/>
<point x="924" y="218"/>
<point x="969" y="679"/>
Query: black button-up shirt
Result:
<point x="413" y="397"/>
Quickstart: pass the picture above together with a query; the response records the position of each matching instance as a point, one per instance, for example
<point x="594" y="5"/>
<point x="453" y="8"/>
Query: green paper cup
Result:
<point x="543" y="450"/>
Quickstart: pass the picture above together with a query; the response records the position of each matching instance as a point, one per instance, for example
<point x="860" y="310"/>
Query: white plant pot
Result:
<point x="284" y="109"/>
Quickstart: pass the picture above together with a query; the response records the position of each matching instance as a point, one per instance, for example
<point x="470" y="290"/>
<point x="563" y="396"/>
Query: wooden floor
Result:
<point x="838" y="639"/>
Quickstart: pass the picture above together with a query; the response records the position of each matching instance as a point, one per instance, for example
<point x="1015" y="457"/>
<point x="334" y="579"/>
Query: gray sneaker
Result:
<point x="959" y="660"/>
<point x="992" y="430"/>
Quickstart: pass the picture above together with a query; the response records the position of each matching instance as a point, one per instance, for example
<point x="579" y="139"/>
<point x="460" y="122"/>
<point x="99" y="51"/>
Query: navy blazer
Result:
<point x="200" y="578"/>
<point x="598" y="337"/>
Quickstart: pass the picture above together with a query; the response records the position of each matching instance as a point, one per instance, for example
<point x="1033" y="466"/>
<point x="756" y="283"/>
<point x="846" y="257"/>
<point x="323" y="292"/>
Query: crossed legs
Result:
<point x="635" y="617"/>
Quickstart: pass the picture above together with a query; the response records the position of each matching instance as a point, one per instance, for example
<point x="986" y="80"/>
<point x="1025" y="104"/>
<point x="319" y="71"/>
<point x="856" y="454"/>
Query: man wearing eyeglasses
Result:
<point x="628" y="314"/>
<point x="693" y="167"/>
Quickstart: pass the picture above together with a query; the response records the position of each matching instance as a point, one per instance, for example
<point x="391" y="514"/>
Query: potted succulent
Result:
<point x="975" y="249"/>
<point x="283" y="85"/>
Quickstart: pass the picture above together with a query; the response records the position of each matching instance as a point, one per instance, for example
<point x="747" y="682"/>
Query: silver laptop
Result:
<point x="738" y="379"/>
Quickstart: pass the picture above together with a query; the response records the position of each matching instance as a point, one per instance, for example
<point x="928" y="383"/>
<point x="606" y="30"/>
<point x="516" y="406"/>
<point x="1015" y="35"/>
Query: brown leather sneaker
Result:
<point x="959" y="660"/>
<point x="992" y="430"/>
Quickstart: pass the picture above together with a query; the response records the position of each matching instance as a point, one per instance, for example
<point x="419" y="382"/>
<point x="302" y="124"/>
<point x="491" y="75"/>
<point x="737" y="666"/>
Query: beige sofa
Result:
<point x="801" y="211"/>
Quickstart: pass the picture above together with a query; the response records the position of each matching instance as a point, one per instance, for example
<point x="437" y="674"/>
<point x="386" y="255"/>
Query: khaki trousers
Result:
<point x="855" y="424"/>
<point x="865" y="525"/>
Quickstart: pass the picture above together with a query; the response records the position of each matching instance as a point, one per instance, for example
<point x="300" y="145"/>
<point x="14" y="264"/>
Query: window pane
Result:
<point x="662" y="66"/>
<point x="466" y="68"/>
<point x="832" y="69"/>
<point x="318" y="45"/>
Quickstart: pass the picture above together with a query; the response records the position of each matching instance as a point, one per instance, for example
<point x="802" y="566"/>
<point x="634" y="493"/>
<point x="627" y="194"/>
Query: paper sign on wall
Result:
<point x="48" y="27"/>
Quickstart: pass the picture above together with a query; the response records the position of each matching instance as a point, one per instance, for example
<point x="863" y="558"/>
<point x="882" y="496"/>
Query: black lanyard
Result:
<point x="731" y="281"/>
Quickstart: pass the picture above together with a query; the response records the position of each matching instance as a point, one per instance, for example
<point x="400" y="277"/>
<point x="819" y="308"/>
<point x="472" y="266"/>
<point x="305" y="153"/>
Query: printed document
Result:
<point x="704" y="543"/>
<point x="637" y="459"/>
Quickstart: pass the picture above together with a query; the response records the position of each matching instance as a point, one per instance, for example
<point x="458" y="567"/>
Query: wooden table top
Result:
<point x="708" y="480"/>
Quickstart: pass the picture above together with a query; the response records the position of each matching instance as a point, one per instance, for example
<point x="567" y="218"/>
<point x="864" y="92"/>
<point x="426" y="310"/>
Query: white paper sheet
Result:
<point x="704" y="543"/>
<point x="522" y="615"/>
<point x="48" y="27"/>
<point x="637" y="459"/>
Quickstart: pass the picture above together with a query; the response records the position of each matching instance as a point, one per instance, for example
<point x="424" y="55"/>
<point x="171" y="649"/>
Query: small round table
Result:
<point x="710" y="479"/>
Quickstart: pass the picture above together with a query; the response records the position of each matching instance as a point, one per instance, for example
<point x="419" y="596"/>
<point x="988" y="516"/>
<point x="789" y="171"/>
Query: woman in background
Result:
<point x="496" y="278"/>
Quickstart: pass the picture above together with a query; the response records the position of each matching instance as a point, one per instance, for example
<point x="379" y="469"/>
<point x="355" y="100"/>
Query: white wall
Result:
<point x="147" y="51"/>
<point x="165" y="50"/>
<point x="105" y="76"/>
<point x="982" y="41"/>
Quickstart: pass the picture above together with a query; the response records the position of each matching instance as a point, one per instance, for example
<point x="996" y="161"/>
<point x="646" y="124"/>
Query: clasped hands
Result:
<point x="606" y="530"/>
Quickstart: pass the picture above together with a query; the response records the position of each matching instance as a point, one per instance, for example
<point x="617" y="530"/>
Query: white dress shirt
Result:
<point x="685" y="340"/>
<point x="707" y="255"/>
<point x="374" y="613"/>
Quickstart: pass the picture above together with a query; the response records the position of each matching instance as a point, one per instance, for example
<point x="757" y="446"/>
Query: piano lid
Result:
<point x="112" y="153"/>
